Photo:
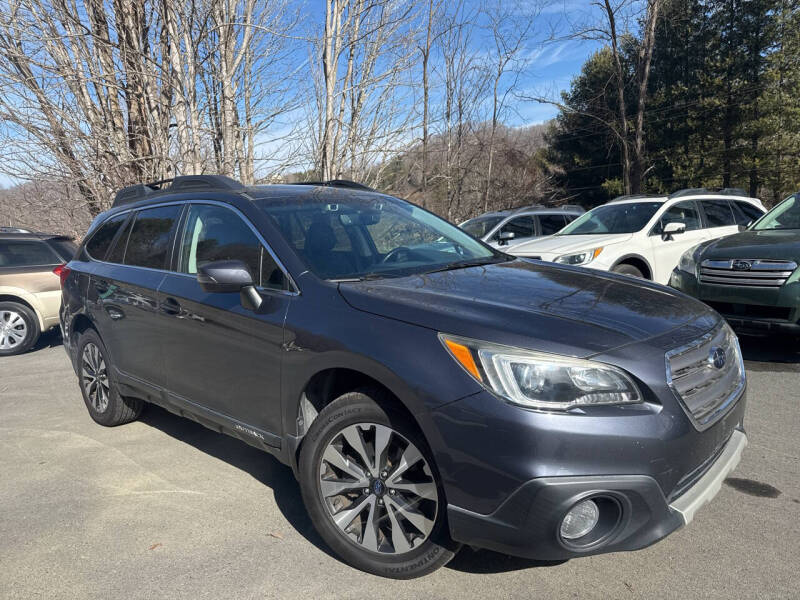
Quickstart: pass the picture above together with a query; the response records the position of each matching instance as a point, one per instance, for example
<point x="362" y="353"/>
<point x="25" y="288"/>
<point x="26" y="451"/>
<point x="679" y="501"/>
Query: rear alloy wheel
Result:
<point x="94" y="377"/>
<point x="98" y="385"/>
<point x="19" y="328"/>
<point x="371" y="488"/>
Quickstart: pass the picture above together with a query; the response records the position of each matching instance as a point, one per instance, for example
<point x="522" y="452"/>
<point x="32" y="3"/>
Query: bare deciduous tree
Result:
<point x="104" y="93"/>
<point x="365" y="52"/>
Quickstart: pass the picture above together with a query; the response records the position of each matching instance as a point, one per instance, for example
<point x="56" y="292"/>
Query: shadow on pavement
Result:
<point x="270" y="472"/>
<point x="257" y="463"/>
<point x="759" y="352"/>
<point x="486" y="562"/>
<point x="49" y="339"/>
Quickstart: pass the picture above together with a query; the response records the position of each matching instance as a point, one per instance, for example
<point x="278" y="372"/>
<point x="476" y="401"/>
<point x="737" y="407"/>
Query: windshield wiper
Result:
<point x="463" y="264"/>
<point x="366" y="277"/>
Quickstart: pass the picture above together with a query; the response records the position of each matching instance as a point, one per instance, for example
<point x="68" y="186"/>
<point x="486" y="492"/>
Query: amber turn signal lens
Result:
<point x="463" y="355"/>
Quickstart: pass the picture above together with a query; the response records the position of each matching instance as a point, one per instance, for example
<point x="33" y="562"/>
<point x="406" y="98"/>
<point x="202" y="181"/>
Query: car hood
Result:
<point x="775" y="244"/>
<point x="565" y="310"/>
<point x="564" y="244"/>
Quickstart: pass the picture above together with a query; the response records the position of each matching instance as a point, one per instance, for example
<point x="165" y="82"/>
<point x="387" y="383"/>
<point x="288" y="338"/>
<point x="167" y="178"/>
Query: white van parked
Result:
<point x="645" y="236"/>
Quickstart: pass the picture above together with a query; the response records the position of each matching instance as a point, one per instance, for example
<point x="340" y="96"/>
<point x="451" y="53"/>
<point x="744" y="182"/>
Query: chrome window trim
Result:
<point x="713" y="417"/>
<point x="291" y="292"/>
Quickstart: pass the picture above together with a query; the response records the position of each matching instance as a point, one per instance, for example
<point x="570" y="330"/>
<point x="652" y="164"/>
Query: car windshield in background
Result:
<point x="628" y="217"/>
<point x="364" y="237"/>
<point x="480" y="226"/>
<point x="784" y="216"/>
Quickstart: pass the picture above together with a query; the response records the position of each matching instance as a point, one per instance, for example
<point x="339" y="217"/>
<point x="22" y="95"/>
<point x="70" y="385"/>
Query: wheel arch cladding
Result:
<point x="636" y="261"/>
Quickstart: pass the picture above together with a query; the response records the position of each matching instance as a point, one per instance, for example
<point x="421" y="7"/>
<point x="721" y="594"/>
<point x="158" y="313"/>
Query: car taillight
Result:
<point x="63" y="272"/>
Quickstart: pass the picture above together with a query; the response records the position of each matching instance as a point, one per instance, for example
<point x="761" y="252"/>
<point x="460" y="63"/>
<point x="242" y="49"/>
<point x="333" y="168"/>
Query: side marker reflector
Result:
<point x="463" y="355"/>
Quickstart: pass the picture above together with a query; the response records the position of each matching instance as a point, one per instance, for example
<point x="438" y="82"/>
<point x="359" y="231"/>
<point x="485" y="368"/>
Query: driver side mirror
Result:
<point x="505" y="236"/>
<point x="229" y="277"/>
<point x="672" y="228"/>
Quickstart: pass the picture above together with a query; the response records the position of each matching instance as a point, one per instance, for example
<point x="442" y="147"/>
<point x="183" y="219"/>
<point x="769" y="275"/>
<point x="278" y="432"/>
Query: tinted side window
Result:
<point x="718" y="213"/>
<point x="148" y="244"/>
<point x="216" y="233"/>
<point x="522" y="227"/>
<point x="99" y="243"/>
<point x="551" y="223"/>
<point x="27" y="253"/>
<point x="682" y="212"/>
<point x="751" y="212"/>
<point x="117" y="252"/>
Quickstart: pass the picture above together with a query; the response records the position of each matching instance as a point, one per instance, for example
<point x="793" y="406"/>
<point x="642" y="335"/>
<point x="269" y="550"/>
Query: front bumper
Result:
<point x="527" y="523"/>
<point x="744" y="307"/>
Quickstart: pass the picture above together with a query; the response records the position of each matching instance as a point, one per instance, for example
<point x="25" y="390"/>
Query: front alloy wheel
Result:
<point x="378" y="488"/>
<point x="371" y="487"/>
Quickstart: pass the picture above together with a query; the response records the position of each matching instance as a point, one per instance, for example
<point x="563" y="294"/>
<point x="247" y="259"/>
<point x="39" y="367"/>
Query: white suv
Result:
<point x="645" y="236"/>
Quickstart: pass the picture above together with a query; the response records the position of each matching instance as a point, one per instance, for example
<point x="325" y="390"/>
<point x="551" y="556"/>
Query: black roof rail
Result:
<point x="728" y="191"/>
<point x="180" y="183"/>
<point x="338" y="183"/>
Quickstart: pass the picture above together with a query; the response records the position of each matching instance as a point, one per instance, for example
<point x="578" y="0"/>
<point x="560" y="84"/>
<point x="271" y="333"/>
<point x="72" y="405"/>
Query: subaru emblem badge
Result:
<point x="742" y="265"/>
<point x="717" y="357"/>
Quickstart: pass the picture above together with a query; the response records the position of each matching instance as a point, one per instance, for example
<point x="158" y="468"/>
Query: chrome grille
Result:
<point x="746" y="272"/>
<point x="705" y="389"/>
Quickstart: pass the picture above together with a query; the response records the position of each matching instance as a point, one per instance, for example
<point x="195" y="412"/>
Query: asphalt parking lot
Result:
<point x="165" y="508"/>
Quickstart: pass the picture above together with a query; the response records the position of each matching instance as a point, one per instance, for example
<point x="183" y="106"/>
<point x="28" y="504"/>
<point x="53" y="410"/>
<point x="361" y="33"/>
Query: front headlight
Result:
<point x="581" y="258"/>
<point x="540" y="380"/>
<point x="688" y="261"/>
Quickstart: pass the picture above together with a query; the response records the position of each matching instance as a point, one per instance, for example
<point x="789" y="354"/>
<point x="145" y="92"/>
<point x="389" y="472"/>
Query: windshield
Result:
<point x="356" y="236"/>
<point x="613" y="218"/>
<point x="480" y="226"/>
<point x="784" y="216"/>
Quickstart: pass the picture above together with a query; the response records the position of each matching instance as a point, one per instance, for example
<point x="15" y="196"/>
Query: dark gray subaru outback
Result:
<point x="427" y="390"/>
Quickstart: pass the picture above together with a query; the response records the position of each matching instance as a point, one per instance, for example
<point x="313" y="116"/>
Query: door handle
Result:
<point x="170" y="306"/>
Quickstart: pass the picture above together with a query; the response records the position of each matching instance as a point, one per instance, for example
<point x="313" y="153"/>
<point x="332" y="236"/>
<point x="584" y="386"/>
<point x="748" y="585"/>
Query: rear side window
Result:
<point x="117" y="252"/>
<point x="550" y="224"/>
<point x="148" y="244"/>
<point x="100" y="242"/>
<point x="718" y="213"/>
<point x="27" y="253"/>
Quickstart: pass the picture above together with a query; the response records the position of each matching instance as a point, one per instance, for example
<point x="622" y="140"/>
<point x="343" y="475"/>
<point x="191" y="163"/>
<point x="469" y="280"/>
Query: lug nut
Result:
<point x="383" y="474"/>
<point x="392" y="492"/>
<point x="366" y="490"/>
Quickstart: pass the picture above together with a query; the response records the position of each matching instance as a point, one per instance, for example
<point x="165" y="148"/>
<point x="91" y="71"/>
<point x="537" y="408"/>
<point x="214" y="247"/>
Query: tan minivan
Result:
<point x="30" y="287"/>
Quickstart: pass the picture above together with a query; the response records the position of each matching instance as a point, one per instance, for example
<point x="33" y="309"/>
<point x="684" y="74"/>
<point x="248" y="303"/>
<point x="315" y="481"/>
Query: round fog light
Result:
<point x="580" y="520"/>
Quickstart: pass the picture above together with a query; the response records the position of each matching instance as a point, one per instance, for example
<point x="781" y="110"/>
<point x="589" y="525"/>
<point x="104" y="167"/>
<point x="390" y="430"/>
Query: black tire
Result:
<point x="367" y="407"/>
<point x="117" y="409"/>
<point x="630" y="270"/>
<point x="31" y="324"/>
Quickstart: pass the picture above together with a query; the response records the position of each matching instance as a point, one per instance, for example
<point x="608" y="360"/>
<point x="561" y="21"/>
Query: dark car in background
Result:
<point x="30" y="289"/>
<point x="505" y="228"/>
<point x="424" y="397"/>
<point x="751" y="277"/>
